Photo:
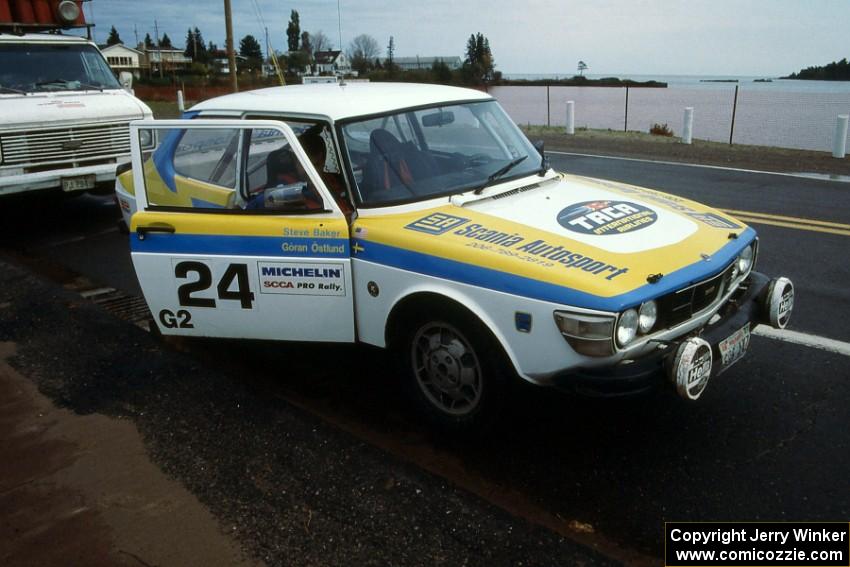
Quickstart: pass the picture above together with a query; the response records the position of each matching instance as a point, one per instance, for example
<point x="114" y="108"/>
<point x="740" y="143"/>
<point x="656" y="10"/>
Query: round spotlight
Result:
<point x="68" y="12"/>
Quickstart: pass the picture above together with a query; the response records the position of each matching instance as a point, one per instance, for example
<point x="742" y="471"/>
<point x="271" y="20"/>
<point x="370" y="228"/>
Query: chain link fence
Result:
<point x="765" y="117"/>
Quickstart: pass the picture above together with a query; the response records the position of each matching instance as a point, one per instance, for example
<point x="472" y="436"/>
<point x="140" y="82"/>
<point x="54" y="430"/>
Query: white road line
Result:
<point x="813" y="341"/>
<point x="720" y="167"/>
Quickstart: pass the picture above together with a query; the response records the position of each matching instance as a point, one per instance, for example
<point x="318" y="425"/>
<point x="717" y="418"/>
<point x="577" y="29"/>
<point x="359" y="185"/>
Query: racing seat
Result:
<point x="280" y="167"/>
<point x="392" y="163"/>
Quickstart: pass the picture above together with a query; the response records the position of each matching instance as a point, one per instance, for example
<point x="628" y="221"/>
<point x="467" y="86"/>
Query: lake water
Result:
<point x="783" y="113"/>
<point x="709" y="81"/>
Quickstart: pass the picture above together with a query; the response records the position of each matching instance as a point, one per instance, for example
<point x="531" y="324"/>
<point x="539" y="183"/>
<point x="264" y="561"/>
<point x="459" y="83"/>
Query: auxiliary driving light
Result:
<point x="691" y="367"/>
<point x="68" y="12"/>
<point x="779" y="302"/>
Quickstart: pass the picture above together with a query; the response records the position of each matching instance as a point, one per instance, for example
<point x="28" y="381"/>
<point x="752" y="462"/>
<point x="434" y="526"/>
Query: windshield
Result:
<point x="39" y="67"/>
<point x="419" y="154"/>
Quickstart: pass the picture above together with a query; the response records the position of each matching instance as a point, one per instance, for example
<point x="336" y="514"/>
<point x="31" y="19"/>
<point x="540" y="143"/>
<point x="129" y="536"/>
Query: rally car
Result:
<point x="421" y="219"/>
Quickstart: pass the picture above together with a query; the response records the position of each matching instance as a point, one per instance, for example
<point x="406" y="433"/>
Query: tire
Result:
<point x="455" y="371"/>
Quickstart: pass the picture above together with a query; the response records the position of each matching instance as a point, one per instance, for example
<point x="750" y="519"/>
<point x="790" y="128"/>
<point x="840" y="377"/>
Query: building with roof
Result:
<point x="331" y="63"/>
<point x="167" y="60"/>
<point x="425" y="62"/>
<point x="123" y="58"/>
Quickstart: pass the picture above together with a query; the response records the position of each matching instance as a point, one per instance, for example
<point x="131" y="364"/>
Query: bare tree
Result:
<point x="321" y="42"/>
<point x="362" y="51"/>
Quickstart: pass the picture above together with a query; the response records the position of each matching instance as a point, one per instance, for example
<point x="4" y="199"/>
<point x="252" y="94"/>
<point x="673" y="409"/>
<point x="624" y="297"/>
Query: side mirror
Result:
<point x="539" y="146"/>
<point x="126" y="80"/>
<point x="285" y="197"/>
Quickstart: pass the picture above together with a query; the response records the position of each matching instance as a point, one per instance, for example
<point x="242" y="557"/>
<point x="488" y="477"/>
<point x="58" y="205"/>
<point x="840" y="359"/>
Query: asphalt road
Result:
<point x="769" y="440"/>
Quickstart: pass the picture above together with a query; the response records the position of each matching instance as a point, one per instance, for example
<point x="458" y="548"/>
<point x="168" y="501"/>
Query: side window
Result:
<point x="236" y="169"/>
<point x="192" y="168"/>
<point x="208" y="155"/>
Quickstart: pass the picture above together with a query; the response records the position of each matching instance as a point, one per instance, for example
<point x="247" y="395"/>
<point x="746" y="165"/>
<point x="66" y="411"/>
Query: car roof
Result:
<point x="340" y="101"/>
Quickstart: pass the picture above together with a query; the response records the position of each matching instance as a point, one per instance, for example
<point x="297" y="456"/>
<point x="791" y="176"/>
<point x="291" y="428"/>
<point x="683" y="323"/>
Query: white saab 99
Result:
<point x="421" y="219"/>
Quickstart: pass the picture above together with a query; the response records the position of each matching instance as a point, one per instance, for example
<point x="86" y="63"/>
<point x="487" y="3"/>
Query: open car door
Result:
<point x="235" y="235"/>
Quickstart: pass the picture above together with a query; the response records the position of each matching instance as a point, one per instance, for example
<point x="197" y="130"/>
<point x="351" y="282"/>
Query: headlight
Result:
<point x="647" y="316"/>
<point x="745" y="260"/>
<point x="587" y="334"/>
<point x="627" y="327"/>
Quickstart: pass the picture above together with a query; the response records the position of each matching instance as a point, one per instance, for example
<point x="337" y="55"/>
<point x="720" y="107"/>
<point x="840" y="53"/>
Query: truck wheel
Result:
<point x="455" y="371"/>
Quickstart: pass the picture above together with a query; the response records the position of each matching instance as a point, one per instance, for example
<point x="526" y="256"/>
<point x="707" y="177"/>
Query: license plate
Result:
<point x="734" y="347"/>
<point x="80" y="183"/>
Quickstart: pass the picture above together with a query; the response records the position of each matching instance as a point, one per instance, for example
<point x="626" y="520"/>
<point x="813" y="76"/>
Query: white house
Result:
<point x="331" y="63"/>
<point x="123" y="58"/>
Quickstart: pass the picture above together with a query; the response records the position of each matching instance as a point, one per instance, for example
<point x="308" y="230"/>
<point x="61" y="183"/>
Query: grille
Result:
<point x="77" y="143"/>
<point x="679" y="306"/>
<point x="513" y="192"/>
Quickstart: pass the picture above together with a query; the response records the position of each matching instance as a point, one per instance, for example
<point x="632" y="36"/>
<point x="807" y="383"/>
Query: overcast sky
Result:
<point x="698" y="37"/>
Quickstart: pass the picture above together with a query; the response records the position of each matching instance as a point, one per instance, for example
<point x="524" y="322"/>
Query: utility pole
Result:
<point x="231" y="54"/>
<point x="136" y="33"/>
<point x="158" y="47"/>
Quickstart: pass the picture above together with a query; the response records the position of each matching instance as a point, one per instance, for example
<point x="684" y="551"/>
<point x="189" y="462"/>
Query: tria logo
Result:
<point x="606" y="217"/>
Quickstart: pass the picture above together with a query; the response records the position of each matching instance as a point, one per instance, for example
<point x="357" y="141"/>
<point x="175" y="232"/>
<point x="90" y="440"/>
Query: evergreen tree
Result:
<point x="113" y="38"/>
<point x="306" y="43"/>
<point x="479" y="65"/>
<point x="148" y="42"/>
<point x="293" y="31"/>
<point x="250" y="48"/>
<point x="165" y="42"/>
<point x="195" y="46"/>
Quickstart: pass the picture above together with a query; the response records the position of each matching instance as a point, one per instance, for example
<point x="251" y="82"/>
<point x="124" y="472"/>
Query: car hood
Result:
<point x="58" y="109"/>
<point x="572" y="240"/>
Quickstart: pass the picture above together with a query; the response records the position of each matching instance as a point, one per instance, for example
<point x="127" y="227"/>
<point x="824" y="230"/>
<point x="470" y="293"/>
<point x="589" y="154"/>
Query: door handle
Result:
<point x="142" y="231"/>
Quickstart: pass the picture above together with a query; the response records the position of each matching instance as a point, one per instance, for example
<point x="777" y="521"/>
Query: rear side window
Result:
<point x="208" y="155"/>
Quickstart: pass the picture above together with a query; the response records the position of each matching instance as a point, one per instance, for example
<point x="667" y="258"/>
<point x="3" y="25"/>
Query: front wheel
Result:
<point x="455" y="371"/>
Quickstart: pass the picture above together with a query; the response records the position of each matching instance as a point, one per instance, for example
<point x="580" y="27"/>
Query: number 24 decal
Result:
<point x="237" y="272"/>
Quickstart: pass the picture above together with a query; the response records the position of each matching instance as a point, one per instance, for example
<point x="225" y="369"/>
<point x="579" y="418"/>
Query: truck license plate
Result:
<point x="80" y="183"/>
<point x="734" y="347"/>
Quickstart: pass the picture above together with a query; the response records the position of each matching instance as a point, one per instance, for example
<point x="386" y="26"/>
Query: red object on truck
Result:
<point x="43" y="12"/>
<point x="5" y="12"/>
<point x="23" y="12"/>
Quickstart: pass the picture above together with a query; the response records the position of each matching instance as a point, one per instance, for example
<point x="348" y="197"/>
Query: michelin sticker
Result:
<point x="302" y="279"/>
<point x="606" y="217"/>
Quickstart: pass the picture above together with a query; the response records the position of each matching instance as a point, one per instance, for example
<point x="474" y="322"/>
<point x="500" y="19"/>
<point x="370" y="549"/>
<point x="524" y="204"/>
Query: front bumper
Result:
<point x="52" y="179"/>
<point x="747" y="306"/>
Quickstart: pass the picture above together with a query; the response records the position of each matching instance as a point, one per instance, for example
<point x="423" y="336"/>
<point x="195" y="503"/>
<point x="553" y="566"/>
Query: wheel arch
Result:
<point x="422" y="300"/>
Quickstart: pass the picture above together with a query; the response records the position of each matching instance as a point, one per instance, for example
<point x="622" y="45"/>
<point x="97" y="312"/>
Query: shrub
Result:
<point x="661" y="130"/>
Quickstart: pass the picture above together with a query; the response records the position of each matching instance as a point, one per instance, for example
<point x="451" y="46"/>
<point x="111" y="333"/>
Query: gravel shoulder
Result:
<point x="289" y="488"/>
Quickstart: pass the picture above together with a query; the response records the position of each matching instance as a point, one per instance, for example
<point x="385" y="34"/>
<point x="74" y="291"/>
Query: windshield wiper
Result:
<point x="12" y="90"/>
<point x="500" y="172"/>
<point x="67" y="83"/>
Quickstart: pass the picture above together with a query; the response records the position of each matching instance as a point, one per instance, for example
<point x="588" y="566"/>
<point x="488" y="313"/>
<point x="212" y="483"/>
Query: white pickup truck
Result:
<point x="64" y="117"/>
